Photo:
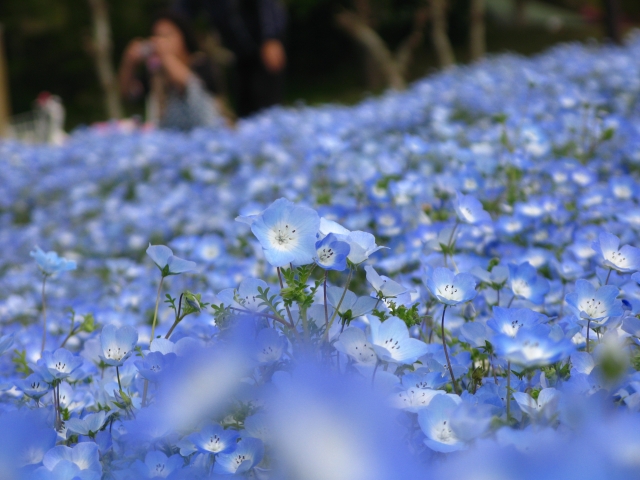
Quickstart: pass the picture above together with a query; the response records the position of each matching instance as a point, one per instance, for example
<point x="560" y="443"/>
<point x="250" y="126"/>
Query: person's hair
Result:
<point x="183" y="24"/>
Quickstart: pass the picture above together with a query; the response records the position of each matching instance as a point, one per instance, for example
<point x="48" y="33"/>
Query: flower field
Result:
<point x="436" y="283"/>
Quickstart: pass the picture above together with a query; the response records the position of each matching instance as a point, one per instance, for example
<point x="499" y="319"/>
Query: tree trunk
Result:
<point x="102" y="50"/>
<point x="520" y="12"/>
<point x="374" y="45"/>
<point x="612" y="21"/>
<point x="5" y="110"/>
<point x="439" y="26"/>
<point x="477" y="42"/>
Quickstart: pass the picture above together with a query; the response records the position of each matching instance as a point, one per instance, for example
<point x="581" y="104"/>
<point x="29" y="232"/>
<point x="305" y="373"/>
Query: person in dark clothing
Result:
<point x="254" y="31"/>
<point x="179" y="81"/>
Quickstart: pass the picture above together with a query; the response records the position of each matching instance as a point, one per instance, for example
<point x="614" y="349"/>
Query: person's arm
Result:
<point x="177" y="69"/>
<point x="273" y="20"/>
<point x="131" y="87"/>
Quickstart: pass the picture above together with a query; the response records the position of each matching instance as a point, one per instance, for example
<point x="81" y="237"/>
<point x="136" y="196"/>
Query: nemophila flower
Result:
<point x="33" y="386"/>
<point x="270" y="346"/>
<point x="361" y="244"/>
<point x="57" y="365"/>
<point x="568" y="269"/>
<point x="532" y="347"/>
<point x="245" y="296"/>
<point x="168" y="264"/>
<point x="89" y="425"/>
<point x="625" y="259"/>
<point x="383" y="285"/>
<point x="117" y="344"/>
<point x="435" y="422"/>
<point x="331" y="253"/>
<point x="352" y="306"/>
<point x="80" y="461"/>
<point x="545" y="405"/>
<point x="414" y="399"/>
<point x="152" y="366"/>
<point x="287" y="233"/>
<point x="509" y="321"/>
<point x="248" y="453"/>
<point x="215" y="439"/>
<point x="50" y="263"/>
<point x="470" y="210"/>
<point x="157" y="465"/>
<point x="595" y="304"/>
<point x="354" y="342"/>
<point x="450" y="288"/>
<point x="392" y="343"/>
<point x="526" y="283"/>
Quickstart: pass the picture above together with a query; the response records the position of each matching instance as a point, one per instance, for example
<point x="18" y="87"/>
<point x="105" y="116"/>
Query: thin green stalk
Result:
<point x="118" y="375"/>
<point x="155" y="313"/>
<point x="333" y="317"/>
<point x="287" y="308"/>
<point x="608" y="275"/>
<point x="373" y="377"/>
<point x="446" y="353"/>
<point x="508" y="390"/>
<point x="326" y="307"/>
<point x="44" y="315"/>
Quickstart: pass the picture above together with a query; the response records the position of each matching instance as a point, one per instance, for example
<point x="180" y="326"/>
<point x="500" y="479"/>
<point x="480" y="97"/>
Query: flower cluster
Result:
<point x="433" y="283"/>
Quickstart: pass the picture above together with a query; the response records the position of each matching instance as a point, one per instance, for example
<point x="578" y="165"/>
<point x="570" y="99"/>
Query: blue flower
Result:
<point x="270" y="346"/>
<point x="449" y="288"/>
<point x="157" y="465"/>
<point x="117" y="344"/>
<point x="435" y="422"/>
<point x="154" y="364"/>
<point x="331" y="253"/>
<point x="391" y="341"/>
<point x="50" y="263"/>
<point x="168" y="264"/>
<point x="33" y="386"/>
<point x="80" y="461"/>
<point x="625" y="259"/>
<point x="57" y="365"/>
<point x="89" y="425"/>
<point x="215" y="439"/>
<point x="248" y="453"/>
<point x="470" y="210"/>
<point x="509" y="321"/>
<point x="384" y="286"/>
<point x="287" y="233"/>
<point x="362" y="244"/>
<point x="525" y="283"/>
<point x="532" y="347"/>
<point x="593" y="304"/>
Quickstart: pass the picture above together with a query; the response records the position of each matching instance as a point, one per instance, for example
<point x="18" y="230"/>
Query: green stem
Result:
<point x="508" y="390"/>
<point x="446" y="353"/>
<point x="44" y="315"/>
<point x="333" y="317"/>
<point x="118" y="375"/>
<point x="326" y="307"/>
<point x="608" y="275"/>
<point x="155" y="313"/>
<point x="287" y="308"/>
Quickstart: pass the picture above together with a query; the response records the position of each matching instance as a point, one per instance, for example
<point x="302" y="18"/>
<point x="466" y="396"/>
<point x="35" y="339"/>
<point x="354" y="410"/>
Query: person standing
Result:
<point x="254" y="31"/>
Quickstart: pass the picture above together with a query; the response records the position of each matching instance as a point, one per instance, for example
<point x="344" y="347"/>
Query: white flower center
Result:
<point x="593" y="308"/>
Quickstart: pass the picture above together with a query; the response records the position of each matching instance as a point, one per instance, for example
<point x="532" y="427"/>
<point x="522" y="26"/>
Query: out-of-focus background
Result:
<point x="337" y="50"/>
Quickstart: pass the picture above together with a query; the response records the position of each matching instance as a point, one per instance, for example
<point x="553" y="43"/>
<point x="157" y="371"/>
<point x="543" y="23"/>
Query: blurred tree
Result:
<point x="477" y="34"/>
<point x="4" y="88"/>
<point x="102" y="50"/>
<point x="611" y="20"/>
<point x="392" y="65"/>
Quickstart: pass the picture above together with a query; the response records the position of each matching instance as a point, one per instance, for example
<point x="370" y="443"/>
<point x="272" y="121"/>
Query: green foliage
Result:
<point x="20" y="361"/>
<point x="410" y="316"/>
